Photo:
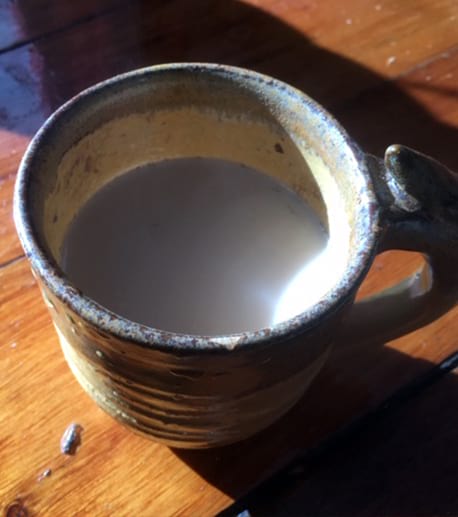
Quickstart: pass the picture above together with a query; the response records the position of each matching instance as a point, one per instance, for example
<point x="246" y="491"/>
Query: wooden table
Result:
<point x="388" y="70"/>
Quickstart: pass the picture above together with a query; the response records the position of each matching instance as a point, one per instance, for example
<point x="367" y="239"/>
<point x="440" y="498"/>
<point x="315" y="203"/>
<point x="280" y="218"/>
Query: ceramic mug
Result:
<point x="195" y="391"/>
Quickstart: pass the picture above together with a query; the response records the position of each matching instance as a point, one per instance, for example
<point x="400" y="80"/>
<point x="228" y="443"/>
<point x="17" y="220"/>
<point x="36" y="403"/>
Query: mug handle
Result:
<point x="418" y="198"/>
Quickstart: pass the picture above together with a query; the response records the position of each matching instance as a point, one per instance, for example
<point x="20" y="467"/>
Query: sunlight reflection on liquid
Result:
<point x="314" y="280"/>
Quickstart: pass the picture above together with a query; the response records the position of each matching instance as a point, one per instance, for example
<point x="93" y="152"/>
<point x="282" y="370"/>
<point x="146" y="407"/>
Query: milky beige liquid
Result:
<point x="195" y="245"/>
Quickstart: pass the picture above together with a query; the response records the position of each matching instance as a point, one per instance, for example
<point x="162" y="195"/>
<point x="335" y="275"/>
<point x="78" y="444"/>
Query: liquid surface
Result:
<point x="196" y="245"/>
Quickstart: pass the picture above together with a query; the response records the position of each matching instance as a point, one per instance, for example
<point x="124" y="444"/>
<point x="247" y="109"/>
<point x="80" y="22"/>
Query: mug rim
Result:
<point x="109" y="322"/>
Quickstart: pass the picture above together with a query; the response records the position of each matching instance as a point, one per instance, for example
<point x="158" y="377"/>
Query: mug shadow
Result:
<point x="374" y="111"/>
<point x="397" y="460"/>
<point x="330" y="461"/>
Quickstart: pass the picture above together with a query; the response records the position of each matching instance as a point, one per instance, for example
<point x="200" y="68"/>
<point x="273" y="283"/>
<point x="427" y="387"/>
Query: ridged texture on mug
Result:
<point x="189" y="400"/>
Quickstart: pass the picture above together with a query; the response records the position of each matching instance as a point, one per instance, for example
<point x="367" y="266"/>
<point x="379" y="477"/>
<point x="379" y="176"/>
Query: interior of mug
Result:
<point x="205" y="111"/>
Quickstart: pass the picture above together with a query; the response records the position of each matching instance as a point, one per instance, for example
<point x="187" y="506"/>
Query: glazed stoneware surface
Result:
<point x="198" y="391"/>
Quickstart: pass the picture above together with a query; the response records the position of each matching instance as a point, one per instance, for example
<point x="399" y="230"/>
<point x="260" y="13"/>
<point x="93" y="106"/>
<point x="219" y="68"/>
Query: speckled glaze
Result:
<point x="198" y="391"/>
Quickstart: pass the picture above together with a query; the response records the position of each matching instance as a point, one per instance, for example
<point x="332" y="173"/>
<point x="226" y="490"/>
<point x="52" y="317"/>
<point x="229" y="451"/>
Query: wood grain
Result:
<point x="420" y="110"/>
<point x="338" y="52"/>
<point x="43" y="17"/>
<point x="12" y="146"/>
<point x="388" y="37"/>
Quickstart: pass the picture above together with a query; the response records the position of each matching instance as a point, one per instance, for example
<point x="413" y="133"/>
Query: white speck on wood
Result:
<point x="391" y="60"/>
